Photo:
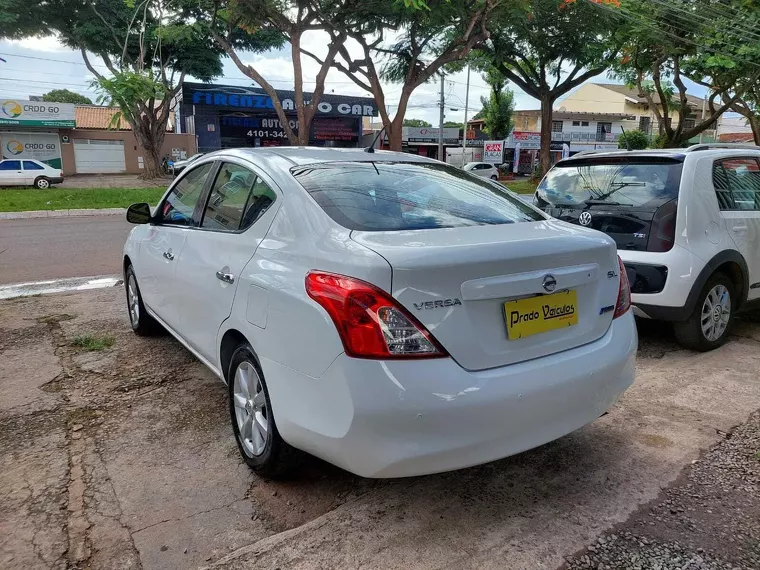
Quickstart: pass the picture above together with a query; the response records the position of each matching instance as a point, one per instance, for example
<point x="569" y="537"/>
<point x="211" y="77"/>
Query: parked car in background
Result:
<point x="355" y="303"/>
<point x="179" y="165"/>
<point x="484" y="169"/>
<point x="27" y="172"/>
<point x="687" y="226"/>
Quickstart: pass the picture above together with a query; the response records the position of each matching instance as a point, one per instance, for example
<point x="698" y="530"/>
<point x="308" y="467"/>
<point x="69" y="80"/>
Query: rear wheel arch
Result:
<point x="127" y="263"/>
<point x="231" y="340"/>
<point x="729" y="262"/>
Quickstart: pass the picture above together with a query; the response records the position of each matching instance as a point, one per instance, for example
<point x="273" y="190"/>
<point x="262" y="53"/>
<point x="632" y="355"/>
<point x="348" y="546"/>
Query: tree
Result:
<point x="497" y="108"/>
<point x="749" y="107"/>
<point x="426" y="36"/>
<point x="66" y="96"/>
<point x="417" y="123"/>
<point x="549" y="47"/>
<point x="289" y="19"/>
<point x="453" y="125"/>
<point x="147" y="47"/>
<point x="633" y="140"/>
<point x="667" y="43"/>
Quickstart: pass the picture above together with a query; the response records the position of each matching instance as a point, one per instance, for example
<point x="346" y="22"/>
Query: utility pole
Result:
<point x="440" y="127"/>
<point x="704" y="103"/>
<point x="466" y="104"/>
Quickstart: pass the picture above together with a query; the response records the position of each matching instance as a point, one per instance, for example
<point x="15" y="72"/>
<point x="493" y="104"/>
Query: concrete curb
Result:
<point x="62" y="213"/>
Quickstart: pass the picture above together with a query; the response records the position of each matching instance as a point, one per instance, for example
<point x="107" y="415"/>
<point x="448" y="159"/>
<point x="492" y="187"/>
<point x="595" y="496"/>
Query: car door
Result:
<point x="32" y="170"/>
<point x="176" y="216"/>
<point x="239" y="209"/>
<point x="737" y="187"/>
<point x="11" y="173"/>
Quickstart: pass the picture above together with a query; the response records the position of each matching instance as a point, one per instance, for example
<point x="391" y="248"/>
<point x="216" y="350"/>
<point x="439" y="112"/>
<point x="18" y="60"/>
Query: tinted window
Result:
<point x="623" y="182"/>
<point x="237" y="200"/>
<point x="737" y="183"/>
<point x="180" y="203"/>
<point x="29" y="165"/>
<point x="10" y="165"/>
<point x="380" y="196"/>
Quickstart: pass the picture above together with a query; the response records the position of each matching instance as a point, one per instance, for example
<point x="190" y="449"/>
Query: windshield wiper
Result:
<point x="593" y="202"/>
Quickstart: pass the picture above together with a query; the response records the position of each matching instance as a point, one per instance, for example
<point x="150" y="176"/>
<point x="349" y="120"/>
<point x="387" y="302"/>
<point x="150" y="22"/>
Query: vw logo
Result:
<point x="585" y="218"/>
<point x="550" y="283"/>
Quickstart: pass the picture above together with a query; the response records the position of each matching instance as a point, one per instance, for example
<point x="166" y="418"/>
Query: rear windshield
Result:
<point x="630" y="182"/>
<point x="381" y="196"/>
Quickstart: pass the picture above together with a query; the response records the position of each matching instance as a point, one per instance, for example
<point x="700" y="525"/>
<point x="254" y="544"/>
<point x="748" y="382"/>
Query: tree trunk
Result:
<point x="545" y="157"/>
<point x="394" y="131"/>
<point x="755" y="126"/>
<point x="150" y="134"/>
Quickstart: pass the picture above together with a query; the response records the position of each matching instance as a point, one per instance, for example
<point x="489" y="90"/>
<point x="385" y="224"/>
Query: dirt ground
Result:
<point x="123" y="458"/>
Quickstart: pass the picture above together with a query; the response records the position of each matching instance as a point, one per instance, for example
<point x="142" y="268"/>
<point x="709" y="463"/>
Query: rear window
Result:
<point x="639" y="182"/>
<point x="382" y="196"/>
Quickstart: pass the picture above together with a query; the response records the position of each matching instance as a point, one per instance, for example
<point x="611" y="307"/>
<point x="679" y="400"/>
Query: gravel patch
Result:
<point x="709" y="519"/>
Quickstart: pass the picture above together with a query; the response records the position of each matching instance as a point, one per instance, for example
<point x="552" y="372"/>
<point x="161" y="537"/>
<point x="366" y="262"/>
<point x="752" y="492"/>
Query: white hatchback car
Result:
<point x="388" y="313"/>
<point x="687" y="225"/>
<point x="482" y="169"/>
<point x="26" y="172"/>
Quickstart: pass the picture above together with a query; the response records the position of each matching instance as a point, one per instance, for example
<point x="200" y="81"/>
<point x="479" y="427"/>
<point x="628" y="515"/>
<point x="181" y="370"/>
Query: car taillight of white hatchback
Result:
<point x="371" y="324"/>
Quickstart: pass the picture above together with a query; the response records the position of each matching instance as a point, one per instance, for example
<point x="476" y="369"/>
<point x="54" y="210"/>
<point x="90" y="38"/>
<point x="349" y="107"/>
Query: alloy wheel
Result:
<point x="251" y="412"/>
<point x="716" y="313"/>
<point x="133" y="301"/>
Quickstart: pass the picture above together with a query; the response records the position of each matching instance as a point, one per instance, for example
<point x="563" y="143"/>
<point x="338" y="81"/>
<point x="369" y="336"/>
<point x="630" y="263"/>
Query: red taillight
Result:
<point x="624" y="292"/>
<point x="370" y="322"/>
<point x="662" y="236"/>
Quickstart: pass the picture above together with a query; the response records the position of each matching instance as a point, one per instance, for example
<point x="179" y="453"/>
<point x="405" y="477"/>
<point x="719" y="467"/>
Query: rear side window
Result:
<point x="737" y="183"/>
<point x="382" y="196"/>
<point x="29" y="165"/>
<point x="627" y="182"/>
<point x="239" y="198"/>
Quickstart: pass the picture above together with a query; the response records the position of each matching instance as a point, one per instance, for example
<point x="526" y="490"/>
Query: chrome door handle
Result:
<point x="169" y="255"/>
<point x="739" y="228"/>
<point x="226" y="277"/>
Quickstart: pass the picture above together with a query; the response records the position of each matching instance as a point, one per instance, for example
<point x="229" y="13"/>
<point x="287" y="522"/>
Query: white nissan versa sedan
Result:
<point x="388" y="313"/>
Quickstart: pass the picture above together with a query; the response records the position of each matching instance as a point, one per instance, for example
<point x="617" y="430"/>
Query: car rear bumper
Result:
<point x="55" y="179"/>
<point x="405" y="418"/>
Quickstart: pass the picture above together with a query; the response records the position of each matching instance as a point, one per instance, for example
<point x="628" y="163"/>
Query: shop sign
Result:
<point x="429" y="134"/>
<point x="493" y="152"/>
<point x="44" y="147"/>
<point x="36" y="113"/>
<point x="230" y="96"/>
<point x="528" y="140"/>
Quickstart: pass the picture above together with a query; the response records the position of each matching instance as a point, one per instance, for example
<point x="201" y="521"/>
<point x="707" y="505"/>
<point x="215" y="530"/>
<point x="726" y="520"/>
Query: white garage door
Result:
<point x="98" y="156"/>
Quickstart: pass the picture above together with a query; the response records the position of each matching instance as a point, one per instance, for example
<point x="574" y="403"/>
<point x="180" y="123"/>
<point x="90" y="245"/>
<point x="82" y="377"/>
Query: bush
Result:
<point x="633" y="140"/>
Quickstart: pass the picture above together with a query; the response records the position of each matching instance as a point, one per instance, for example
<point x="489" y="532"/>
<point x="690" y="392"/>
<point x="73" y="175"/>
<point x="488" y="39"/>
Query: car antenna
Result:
<point x="371" y="148"/>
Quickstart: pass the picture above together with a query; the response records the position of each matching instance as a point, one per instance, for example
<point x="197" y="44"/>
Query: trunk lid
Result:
<point x="456" y="282"/>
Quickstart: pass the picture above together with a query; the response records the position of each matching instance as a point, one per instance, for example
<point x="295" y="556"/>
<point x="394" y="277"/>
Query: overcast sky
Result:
<point x="37" y="65"/>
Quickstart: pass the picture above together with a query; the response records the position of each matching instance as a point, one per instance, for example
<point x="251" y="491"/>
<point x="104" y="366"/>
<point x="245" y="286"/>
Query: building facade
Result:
<point x="229" y="116"/>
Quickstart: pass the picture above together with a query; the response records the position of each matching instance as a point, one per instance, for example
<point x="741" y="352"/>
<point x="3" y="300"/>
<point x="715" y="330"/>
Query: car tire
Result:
<point x="494" y="177"/>
<point x="139" y="319"/>
<point x="42" y="183"/>
<point x="253" y="423"/>
<point x="709" y="325"/>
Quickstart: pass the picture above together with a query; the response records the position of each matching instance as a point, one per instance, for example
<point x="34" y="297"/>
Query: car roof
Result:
<point x="288" y="156"/>
<point x="676" y="153"/>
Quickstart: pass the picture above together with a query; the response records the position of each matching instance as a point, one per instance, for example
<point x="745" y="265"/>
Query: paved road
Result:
<point x="50" y="248"/>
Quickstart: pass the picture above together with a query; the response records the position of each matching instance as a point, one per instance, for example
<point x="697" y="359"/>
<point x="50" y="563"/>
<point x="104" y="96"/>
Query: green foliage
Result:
<point x="453" y="125"/>
<point x="130" y="90"/>
<point x="93" y="342"/>
<point x="417" y="123"/>
<point x="66" y="96"/>
<point x="27" y="199"/>
<point x="497" y="108"/>
<point x="633" y="140"/>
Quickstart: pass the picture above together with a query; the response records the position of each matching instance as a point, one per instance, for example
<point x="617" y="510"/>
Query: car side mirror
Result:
<point x="139" y="213"/>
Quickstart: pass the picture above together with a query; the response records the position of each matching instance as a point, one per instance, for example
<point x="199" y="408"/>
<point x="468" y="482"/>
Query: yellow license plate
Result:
<point x="544" y="313"/>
